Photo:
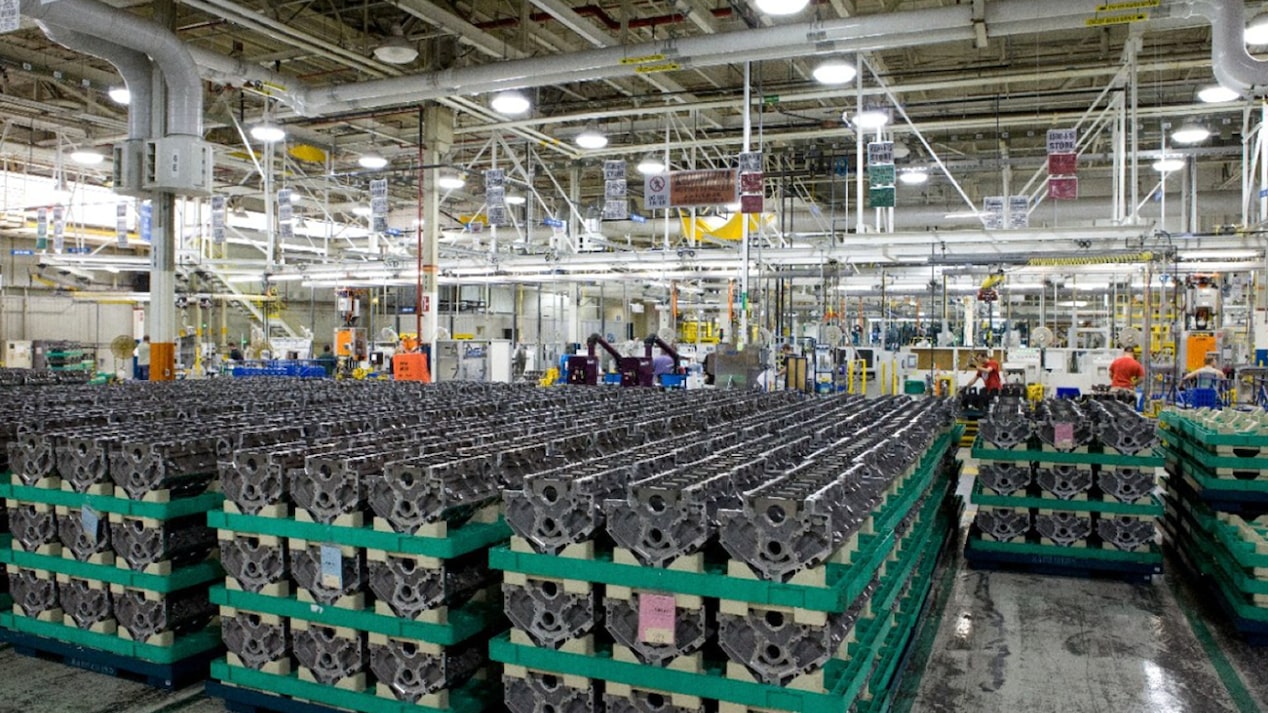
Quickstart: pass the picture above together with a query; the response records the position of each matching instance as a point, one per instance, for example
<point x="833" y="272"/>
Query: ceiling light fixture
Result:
<point x="591" y="138"/>
<point x="901" y="150"/>
<point x="268" y="132"/>
<point x="450" y="181"/>
<point x="651" y="164"/>
<point x="362" y="211"/>
<point x="1257" y="30"/>
<point x="510" y="103"/>
<point x="1217" y="94"/>
<point x="913" y="177"/>
<point x="1190" y="132"/>
<point x="834" y="71"/>
<point x="782" y="7"/>
<point x="87" y="157"/>
<point x="372" y="161"/>
<point x="870" y="118"/>
<point x="119" y="95"/>
<point x="396" y="49"/>
<point x="514" y="199"/>
<point x="1167" y="165"/>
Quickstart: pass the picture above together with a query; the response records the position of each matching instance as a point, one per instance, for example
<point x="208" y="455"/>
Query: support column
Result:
<point x="437" y="140"/>
<point x="163" y="234"/>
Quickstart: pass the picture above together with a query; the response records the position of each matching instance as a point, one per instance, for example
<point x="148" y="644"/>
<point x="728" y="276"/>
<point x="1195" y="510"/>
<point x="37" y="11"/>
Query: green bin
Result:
<point x="915" y="387"/>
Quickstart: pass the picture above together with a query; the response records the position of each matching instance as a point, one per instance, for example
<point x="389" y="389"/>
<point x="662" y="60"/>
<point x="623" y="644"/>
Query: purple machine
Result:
<point x="634" y="371"/>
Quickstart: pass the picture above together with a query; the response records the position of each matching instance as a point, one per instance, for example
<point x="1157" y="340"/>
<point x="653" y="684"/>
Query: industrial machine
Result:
<point x="584" y="369"/>
<point x="1201" y="313"/>
<point x="483" y="360"/>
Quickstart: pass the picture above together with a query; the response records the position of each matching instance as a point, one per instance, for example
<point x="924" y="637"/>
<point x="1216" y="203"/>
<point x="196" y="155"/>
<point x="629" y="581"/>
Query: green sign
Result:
<point x="880" y="197"/>
<point x="881" y="175"/>
<point x="770" y="99"/>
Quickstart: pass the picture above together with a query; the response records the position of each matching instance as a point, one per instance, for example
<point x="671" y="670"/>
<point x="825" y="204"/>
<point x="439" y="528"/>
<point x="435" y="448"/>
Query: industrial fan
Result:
<point x="122" y="348"/>
<point x="765" y="337"/>
<point x="1041" y="337"/>
<point x="832" y="335"/>
<point x="1130" y="337"/>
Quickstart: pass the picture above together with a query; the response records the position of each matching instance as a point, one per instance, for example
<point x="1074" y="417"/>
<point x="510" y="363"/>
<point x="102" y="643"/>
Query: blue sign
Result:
<point x="637" y="218"/>
<point x="74" y="250"/>
<point x="1263" y="192"/>
<point x="147" y="216"/>
<point x="21" y="252"/>
<point x="552" y="222"/>
<point x="841" y="166"/>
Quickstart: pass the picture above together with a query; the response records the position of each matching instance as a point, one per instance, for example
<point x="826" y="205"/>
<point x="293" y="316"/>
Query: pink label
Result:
<point x="1063" y="435"/>
<point x="656" y="618"/>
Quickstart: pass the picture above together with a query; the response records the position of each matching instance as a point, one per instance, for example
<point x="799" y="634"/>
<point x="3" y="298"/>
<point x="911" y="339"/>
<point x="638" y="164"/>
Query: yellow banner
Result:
<point x="1115" y="20"/>
<point x="1133" y="5"/>
<point x="643" y="60"/>
<point x="666" y="67"/>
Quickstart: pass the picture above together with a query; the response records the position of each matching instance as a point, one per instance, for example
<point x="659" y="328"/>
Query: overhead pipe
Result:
<point x="871" y="32"/>
<point x="135" y="68"/>
<point x="1231" y="62"/>
<point x="180" y="73"/>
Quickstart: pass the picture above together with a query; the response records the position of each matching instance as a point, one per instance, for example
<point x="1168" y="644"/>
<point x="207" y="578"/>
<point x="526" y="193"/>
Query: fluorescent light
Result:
<point x="1167" y="165"/>
<point x="1257" y="30"/>
<point x="362" y="211"/>
<point x="510" y="103"/>
<point x="914" y="177"/>
<point x="651" y="164"/>
<point x="960" y="215"/>
<point x="591" y="138"/>
<point x="515" y="199"/>
<point x="1217" y="254"/>
<point x="871" y="119"/>
<point x="834" y="71"/>
<point x="1190" y="133"/>
<point x="450" y="181"/>
<point x="782" y="7"/>
<point x="1216" y="94"/>
<point x="372" y="161"/>
<point x="268" y="132"/>
<point x="119" y="95"/>
<point x="87" y="157"/>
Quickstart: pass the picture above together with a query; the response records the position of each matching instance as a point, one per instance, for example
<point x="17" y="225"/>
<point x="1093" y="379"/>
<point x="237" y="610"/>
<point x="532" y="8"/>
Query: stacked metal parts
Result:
<point x="1066" y="487"/>
<point x="354" y="539"/>
<point x="109" y="561"/>
<point x="776" y="559"/>
<point x="1217" y="508"/>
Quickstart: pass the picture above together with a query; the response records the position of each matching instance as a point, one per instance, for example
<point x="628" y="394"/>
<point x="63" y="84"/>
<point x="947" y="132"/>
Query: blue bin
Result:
<point x="1064" y="392"/>
<point x="1203" y="398"/>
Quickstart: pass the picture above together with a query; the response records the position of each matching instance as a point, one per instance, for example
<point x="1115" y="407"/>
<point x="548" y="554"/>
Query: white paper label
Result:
<point x="331" y="567"/>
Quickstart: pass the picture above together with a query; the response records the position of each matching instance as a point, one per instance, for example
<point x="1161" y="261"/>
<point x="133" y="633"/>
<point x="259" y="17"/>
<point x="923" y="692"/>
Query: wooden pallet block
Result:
<point x="690" y="663"/>
<point x="280" y="667"/>
<point x="677" y="700"/>
<point x="50" y="615"/>
<point x="48" y="482"/>
<point x="583" y="645"/>
<point x="163" y="495"/>
<point x="441" y="529"/>
<point x="580" y="550"/>
<point x="278" y="511"/>
<point x="106" y="487"/>
<point x="348" y="519"/>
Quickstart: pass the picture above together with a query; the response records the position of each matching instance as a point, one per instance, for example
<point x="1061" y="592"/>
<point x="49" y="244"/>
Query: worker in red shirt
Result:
<point x="1125" y="372"/>
<point x="989" y="372"/>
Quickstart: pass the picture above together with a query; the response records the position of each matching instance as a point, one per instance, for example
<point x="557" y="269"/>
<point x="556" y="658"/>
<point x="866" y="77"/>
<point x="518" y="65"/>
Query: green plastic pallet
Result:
<point x="1210" y="460"/>
<point x="1233" y="573"/>
<point x="1200" y="433"/>
<point x="460" y="701"/>
<point x="108" y="503"/>
<point x="463" y="623"/>
<point x="1152" y="508"/>
<point x="181" y="578"/>
<point x="1241" y="551"/>
<point x="1228" y="589"/>
<point x="184" y="646"/>
<point x="470" y="537"/>
<point x="1140" y="460"/>
<point x="1151" y="556"/>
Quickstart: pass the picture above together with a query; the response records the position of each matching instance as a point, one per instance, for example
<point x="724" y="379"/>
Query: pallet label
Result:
<point x="331" y="567"/>
<point x="1063" y="435"/>
<point x="656" y="618"/>
<point x="89" y="520"/>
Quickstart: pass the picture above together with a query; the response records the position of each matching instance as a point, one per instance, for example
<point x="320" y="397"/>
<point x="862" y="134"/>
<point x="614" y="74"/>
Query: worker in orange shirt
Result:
<point x="988" y="371"/>
<point x="1125" y="372"/>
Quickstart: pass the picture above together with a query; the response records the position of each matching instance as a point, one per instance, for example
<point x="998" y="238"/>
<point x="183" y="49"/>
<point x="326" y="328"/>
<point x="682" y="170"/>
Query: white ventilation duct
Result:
<point x="1232" y="63"/>
<point x="120" y="27"/>
<point x="133" y="66"/>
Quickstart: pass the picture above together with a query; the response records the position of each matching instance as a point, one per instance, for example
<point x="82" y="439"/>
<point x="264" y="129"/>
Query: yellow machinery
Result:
<point x="693" y="332"/>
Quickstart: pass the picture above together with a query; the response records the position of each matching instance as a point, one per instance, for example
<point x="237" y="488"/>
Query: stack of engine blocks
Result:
<point x="111" y="558"/>
<point x="777" y="561"/>
<point x="356" y="549"/>
<point x="1217" y="508"/>
<point x="1066" y="487"/>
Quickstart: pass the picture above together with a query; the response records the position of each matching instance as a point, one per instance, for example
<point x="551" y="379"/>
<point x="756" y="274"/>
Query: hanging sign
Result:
<point x="750" y="162"/>
<point x="750" y="204"/>
<point x="1063" y="141"/>
<point x="146" y="221"/>
<point x="218" y="206"/>
<point x="880" y="152"/>
<point x="656" y="192"/>
<point x="378" y="205"/>
<point x="1018" y="212"/>
<point x="880" y="175"/>
<point x="993" y="208"/>
<point x="41" y="228"/>
<point x="121" y="222"/>
<point x="880" y="197"/>
<point x="614" y="170"/>
<point x="701" y="188"/>
<point x="1063" y="188"/>
<point x="285" y="214"/>
<point x="1063" y="164"/>
<point x="10" y="15"/>
<point x="59" y="228"/>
